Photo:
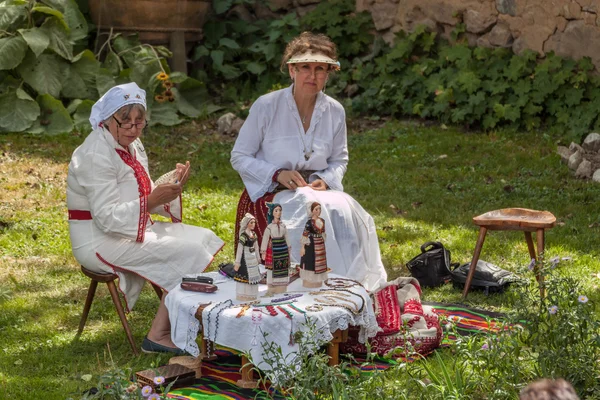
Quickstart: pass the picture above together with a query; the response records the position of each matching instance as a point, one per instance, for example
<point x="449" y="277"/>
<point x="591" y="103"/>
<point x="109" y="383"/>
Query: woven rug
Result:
<point x="219" y="376"/>
<point x="468" y="321"/>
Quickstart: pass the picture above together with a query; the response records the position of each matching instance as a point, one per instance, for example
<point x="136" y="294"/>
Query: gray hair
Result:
<point x="123" y="112"/>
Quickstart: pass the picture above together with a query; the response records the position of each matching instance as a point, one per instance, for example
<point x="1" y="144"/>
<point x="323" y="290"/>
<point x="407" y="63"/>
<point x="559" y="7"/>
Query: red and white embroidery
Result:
<point x="144" y="189"/>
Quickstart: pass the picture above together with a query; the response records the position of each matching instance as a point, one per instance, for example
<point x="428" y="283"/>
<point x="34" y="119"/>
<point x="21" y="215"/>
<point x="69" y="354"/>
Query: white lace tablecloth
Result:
<point x="239" y="333"/>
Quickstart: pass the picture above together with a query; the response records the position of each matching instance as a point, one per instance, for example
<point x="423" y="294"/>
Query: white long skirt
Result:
<point x="351" y="239"/>
<point x="169" y="252"/>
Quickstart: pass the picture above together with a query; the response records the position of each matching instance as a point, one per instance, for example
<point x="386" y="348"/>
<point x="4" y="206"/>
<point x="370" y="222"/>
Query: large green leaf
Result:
<point x="8" y="82"/>
<point x="194" y="92"/>
<point x="220" y="6"/>
<point x="73" y="85"/>
<point x="12" y="52"/>
<point x="44" y="74"/>
<point x="217" y="57"/>
<point x="81" y="118"/>
<point x="104" y="81"/>
<point x="78" y="27"/>
<point x="53" y="13"/>
<point x="59" y="38"/>
<point x="113" y="63"/>
<point x="164" y="114"/>
<point x="17" y="111"/>
<point x="184" y="106"/>
<point x="12" y="15"/>
<point x="256" y="68"/>
<point x="72" y="107"/>
<point x="230" y="43"/>
<point x="124" y="46"/>
<point x="37" y="39"/>
<point x="54" y="117"/>
<point x="178" y="77"/>
<point x="87" y="68"/>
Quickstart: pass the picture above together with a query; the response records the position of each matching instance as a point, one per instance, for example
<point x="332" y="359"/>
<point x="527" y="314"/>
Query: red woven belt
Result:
<point x="81" y="215"/>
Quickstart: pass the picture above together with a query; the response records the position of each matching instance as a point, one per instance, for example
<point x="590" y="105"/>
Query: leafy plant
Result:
<point x="423" y="76"/>
<point x="306" y="373"/>
<point x="44" y="65"/>
<point x="240" y="60"/>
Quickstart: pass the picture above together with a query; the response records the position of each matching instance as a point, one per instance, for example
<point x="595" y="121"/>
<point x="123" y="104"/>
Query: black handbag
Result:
<point x="487" y="277"/>
<point x="432" y="266"/>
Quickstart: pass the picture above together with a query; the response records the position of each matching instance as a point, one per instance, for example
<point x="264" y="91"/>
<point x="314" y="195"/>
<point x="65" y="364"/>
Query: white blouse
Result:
<point x="273" y="138"/>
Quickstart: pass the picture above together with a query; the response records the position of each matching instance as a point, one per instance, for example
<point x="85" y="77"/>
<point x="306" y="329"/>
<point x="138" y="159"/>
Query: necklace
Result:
<point x="307" y="153"/>
<point x="303" y="120"/>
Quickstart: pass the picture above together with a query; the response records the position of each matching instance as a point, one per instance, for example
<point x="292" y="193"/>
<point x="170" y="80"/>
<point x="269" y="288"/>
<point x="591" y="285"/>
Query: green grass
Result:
<point x="419" y="184"/>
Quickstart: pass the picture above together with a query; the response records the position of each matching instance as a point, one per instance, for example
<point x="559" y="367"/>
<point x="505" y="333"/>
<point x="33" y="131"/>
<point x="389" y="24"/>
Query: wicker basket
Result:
<point x="190" y="362"/>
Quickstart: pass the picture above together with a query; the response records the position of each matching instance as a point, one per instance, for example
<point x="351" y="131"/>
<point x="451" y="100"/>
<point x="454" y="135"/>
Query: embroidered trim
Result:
<point x="144" y="189"/>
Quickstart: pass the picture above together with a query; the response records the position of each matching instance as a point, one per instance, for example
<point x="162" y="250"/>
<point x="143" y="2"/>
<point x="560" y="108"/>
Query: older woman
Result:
<point x="110" y="197"/>
<point x="293" y="148"/>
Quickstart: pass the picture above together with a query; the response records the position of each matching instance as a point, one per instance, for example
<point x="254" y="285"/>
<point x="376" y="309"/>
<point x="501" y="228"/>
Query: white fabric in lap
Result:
<point x="351" y="237"/>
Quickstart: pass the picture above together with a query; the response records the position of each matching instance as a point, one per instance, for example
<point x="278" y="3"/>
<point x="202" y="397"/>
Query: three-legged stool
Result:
<point x="512" y="219"/>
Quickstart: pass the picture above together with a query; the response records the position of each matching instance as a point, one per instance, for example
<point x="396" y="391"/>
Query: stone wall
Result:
<point x="270" y="9"/>
<point x="570" y="28"/>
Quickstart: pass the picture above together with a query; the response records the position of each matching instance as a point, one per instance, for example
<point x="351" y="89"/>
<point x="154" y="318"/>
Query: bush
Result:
<point x="49" y="80"/>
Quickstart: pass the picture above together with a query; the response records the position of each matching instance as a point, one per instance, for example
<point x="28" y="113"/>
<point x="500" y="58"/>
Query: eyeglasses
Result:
<point x="139" y="125"/>
<point x="320" y="72"/>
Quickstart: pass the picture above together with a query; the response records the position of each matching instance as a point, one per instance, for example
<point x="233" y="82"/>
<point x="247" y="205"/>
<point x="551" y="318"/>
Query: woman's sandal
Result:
<point x="148" y="346"/>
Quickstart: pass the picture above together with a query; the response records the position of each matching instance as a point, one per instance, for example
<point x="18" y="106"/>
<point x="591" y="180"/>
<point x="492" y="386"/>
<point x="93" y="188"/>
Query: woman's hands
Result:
<point x="183" y="172"/>
<point x="163" y="194"/>
<point x="302" y="251"/>
<point x="291" y="179"/>
<point x="236" y="267"/>
<point x="319" y="184"/>
<point x="167" y="192"/>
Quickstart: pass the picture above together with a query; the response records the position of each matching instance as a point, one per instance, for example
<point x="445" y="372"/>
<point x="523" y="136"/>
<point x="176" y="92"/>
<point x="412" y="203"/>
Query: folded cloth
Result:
<point x="420" y="330"/>
<point x="148" y="346"/>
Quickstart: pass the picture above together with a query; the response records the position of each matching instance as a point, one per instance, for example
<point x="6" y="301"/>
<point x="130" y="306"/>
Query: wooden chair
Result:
<point x="512" y="219"/>
<point x="109" y="279"/>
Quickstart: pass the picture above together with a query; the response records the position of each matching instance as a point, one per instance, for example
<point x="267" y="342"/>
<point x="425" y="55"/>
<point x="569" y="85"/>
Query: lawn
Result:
<point x="420" y="183"/>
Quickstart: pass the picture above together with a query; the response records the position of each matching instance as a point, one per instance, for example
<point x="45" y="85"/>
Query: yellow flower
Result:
<point x="167" y="84"/>
<point x="162" y="76"/>
<point x="160" y="98"/>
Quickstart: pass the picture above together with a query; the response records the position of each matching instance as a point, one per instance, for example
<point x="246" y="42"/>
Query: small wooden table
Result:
<point x="513" y="219"/>
<point x="247" y="381"/>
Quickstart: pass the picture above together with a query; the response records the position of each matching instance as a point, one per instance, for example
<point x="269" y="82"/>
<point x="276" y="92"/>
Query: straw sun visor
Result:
<point x="310" y="57"/>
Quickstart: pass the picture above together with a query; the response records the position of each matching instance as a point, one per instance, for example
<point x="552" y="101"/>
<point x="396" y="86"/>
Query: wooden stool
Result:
<point x="109" y="279"/>
<point x="512" y="219"/>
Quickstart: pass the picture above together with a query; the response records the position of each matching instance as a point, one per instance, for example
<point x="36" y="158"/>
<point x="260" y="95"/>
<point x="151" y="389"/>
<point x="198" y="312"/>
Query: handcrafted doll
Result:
<point x="246" y="266"/>
<point x="313" y="264"/>
<point x="275" y="251"/>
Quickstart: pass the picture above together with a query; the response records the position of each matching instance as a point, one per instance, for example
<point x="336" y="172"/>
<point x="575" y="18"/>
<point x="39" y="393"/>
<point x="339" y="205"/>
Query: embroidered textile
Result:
<point x="420" y="330"/>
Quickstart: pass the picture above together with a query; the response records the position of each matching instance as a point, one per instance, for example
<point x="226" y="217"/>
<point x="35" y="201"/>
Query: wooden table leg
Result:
<point x="476" y="254"/>
<point x="530" y="247"/>
<point x="247" y="381"/>
<point x="539" y="235"/>
<point x="333" y="347"/>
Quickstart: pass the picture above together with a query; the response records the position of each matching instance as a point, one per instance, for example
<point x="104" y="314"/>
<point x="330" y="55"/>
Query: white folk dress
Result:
<point x="272" y="138"/>
<point x="111" y="185"/>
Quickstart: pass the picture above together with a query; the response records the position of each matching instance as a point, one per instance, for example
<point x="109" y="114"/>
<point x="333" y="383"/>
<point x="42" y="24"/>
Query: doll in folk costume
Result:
<point x="247" y="261"/>
<point x="275" y="251"/>
<point x="313" y="264"/>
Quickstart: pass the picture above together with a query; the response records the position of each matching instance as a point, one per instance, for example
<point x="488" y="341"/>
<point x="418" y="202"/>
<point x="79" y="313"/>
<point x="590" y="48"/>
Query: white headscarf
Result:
<point x="114" y="99"/>
<point x="245" y="221"/>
